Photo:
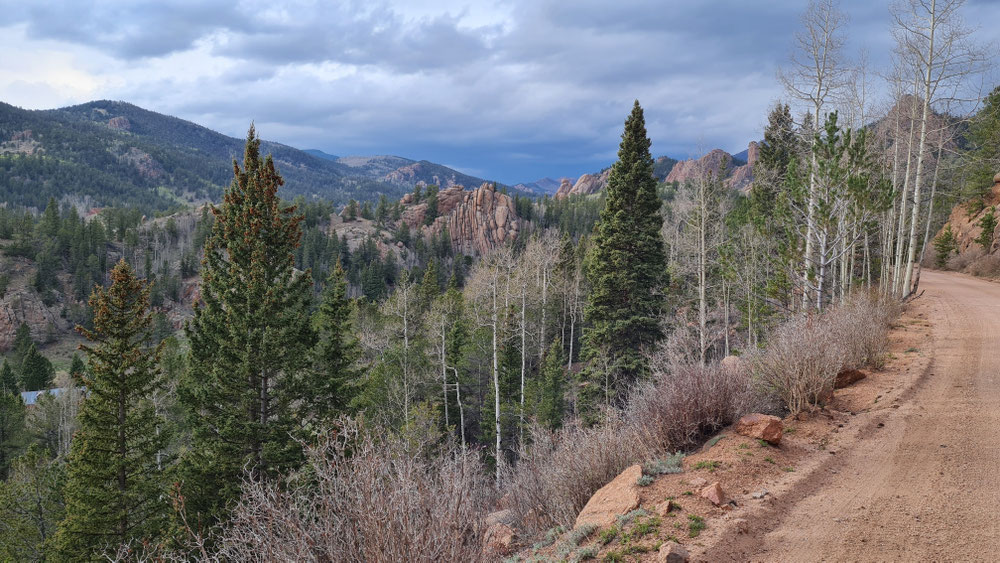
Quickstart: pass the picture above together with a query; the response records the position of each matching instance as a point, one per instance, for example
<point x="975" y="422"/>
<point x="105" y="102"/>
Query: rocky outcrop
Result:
<point x="121" y="123"/>
<point x="965" y="225"/>
<point x="477" y="220"/>
<point x="714" y="162"/>
<point x="21" y="304"/>
<point x="144" y="163"/>
<point x="760" y="427"/>
<point x="618" y="497"/>
<point x="742" y="176"/>
<point x="565" y="186"/>
<point x="586" y="184"/>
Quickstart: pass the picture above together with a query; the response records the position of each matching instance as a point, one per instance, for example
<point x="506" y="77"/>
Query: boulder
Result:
<point x="618" y="497"/>
<point x="761" y="427"/>
<point x="848" y="377"/>
<point x="715" y="494"/>
<point x="698" y="482"/>
<point x="498" y="541"/>
<point x="671" y="552"/>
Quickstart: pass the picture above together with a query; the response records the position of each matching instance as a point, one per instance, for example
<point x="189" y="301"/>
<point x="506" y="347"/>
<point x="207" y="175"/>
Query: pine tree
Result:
<point x="944" y="245"/>
<point x="552" y="403"/>
<point x="250" y="341"/>
<point x="115" y="492"/>
<point x="627" y="265"/>
<point x="12" y="429"/>
<point x="987" y="224"/>
<point x="22" y="341"/>
<point x="76" y="368"/>
<point x="8" y="380"/>
<point x="328" y="388"/>
<point x="36" y="371"/>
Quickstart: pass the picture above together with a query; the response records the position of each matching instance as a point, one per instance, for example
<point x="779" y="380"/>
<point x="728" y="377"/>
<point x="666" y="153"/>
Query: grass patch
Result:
<point x="644" y="481"/>
<point x="708" y="464"/>
<point x="607" y="535"/>
<point x="695" y="525"/>
<point x="769" y="460"/>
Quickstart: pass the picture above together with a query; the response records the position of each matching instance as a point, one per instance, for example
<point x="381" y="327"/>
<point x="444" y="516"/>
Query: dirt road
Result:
<point x="922" y="482"/>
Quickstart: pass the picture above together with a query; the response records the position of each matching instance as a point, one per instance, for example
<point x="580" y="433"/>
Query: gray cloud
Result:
<point x="539" y="88"/>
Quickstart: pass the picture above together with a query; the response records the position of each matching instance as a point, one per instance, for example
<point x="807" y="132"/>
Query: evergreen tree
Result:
<point x="76" y="368"/>
<point x="36" y="371"/>
<point x="944" y="245"/>
<point x="988" y="224"/>
<point x="8" y="381"/>
<point x="627" y="265"/>
<point x="22" y="341"/>
<point x="249" y="341"/>
<point x="780" y="146"/>
<point x="115" y="492"/>
<point x="12" y="430"/>
<point x="551" y="401"/>
<point x="328" y="388"/>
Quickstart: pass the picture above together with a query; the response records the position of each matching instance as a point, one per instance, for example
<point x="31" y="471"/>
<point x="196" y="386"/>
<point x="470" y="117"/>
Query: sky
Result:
<point x="510" y="91"/>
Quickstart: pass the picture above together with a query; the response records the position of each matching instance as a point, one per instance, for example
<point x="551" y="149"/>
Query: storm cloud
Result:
<point x="509" y="90"/>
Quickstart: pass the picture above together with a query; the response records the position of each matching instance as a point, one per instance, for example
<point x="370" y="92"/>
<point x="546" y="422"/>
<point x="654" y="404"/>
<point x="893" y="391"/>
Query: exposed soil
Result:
<point x="901" y="465"/>
<point x="919" y="482"/>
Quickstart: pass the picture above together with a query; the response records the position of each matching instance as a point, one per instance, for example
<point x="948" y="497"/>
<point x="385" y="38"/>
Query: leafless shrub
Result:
<point x="861" y="327"/>
<point x="364" y="497"/>
<point x="804" y="355"/>
<point x="800" y="362"/>
<point x="684" y="403"/>
<point x="986" y="266"/>
<point x="960" y="262"/>
<point x="557" y="475"/>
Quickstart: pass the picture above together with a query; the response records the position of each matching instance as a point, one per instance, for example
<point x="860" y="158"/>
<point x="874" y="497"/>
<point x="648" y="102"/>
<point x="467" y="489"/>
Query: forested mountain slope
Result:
<point x="113" y="153"/>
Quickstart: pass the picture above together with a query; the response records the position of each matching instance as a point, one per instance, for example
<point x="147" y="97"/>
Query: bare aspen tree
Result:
<point x="488" y="291"/>
<point x="938" y="46"/>
<point x="816" y="75"/>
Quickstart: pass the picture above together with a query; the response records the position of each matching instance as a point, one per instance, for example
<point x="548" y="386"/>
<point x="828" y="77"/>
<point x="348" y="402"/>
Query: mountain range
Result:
<point x="115" y="153"/>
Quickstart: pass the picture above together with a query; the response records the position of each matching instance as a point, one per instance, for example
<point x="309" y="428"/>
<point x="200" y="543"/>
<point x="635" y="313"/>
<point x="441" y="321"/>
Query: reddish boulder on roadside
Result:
<point x="715" y="494"/>
<point x="671" y="552"/>
<point x="761" y="427"/>
<point x="618" y="497"/>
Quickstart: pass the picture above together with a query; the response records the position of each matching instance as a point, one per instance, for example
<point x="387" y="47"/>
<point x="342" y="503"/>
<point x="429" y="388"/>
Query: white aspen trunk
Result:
<point x="524" y="353"/>
<point x="914" y="221"/>
<point x="901" y="231"/>
<point x="496" y="381"/>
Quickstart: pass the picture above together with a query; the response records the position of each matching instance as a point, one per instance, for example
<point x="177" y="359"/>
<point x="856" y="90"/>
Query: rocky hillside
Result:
<point x="964" y="220"/>
<point x="738" y="175"/>
<point x="114" y="153"/>
<point x="477" y="220"/>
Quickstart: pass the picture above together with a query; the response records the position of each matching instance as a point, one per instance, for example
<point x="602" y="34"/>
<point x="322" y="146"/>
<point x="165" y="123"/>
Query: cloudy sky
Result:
<point x="510" y="91"/>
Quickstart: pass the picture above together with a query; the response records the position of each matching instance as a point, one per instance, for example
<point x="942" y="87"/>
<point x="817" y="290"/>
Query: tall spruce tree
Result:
<point x="250" y="341"/>
<point x="551" y="401"/>
<point x="627" y="265"/>
<point x="115" y="491"/>
<point x="327" y="390"/>
<point x="36" y="370"/>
